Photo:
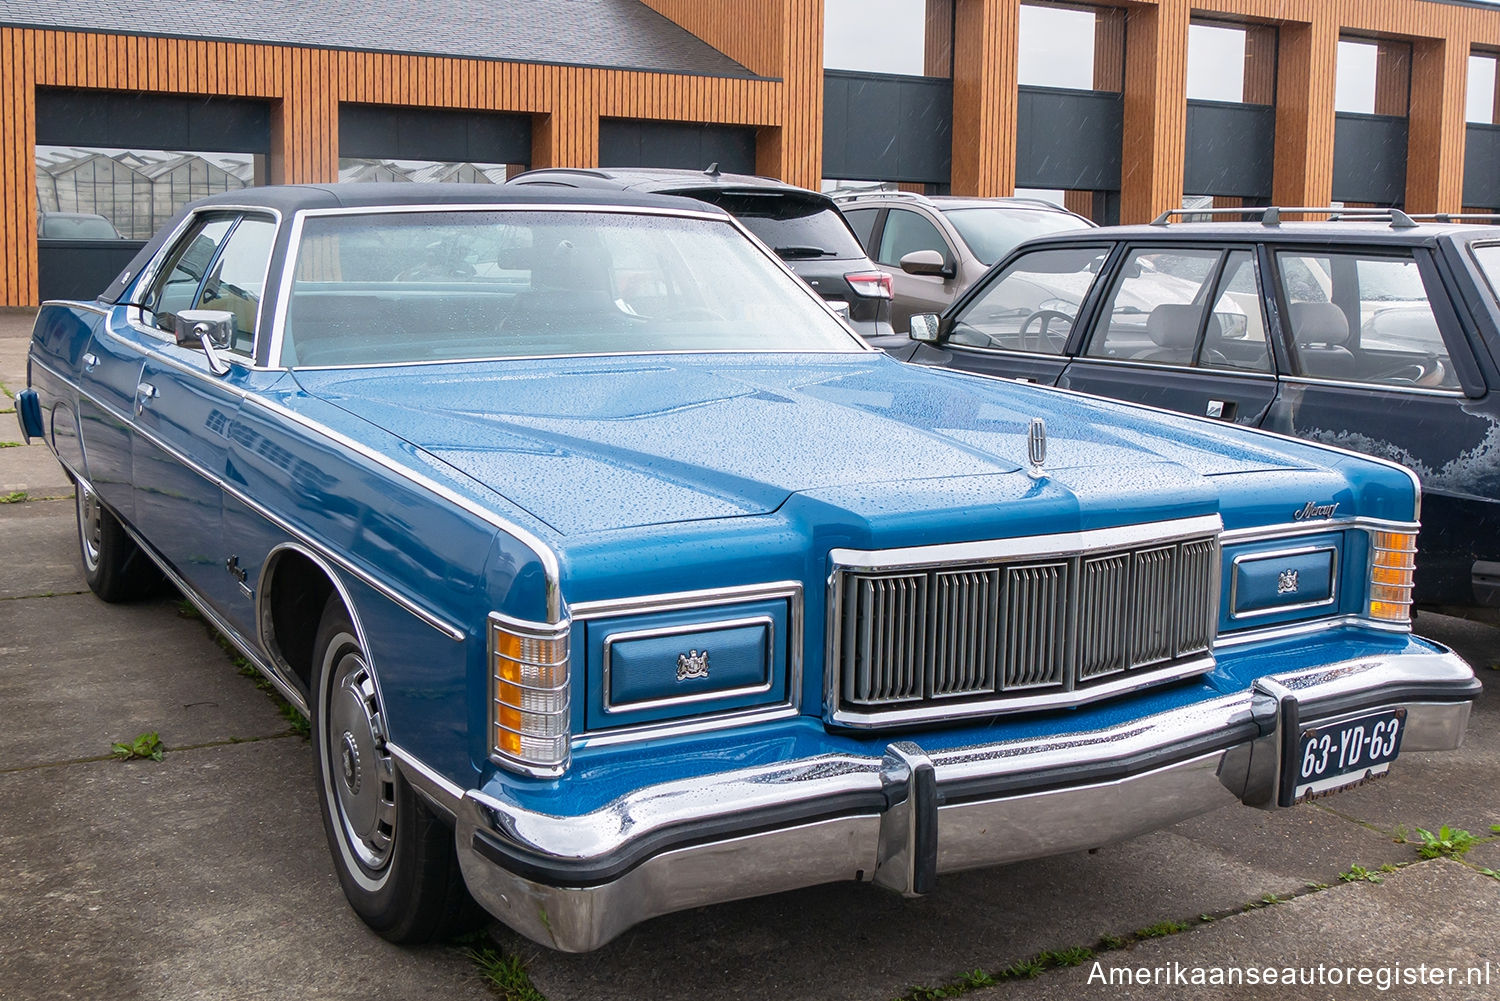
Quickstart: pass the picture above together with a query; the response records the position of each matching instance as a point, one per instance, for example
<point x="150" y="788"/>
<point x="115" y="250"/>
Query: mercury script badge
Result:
<point x="1036" y="445"/>
<point x="1311" y="510"/>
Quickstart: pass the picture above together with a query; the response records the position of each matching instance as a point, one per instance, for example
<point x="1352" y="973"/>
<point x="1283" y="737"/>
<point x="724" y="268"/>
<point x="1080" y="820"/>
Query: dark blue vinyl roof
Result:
<point x="623" y="34"/>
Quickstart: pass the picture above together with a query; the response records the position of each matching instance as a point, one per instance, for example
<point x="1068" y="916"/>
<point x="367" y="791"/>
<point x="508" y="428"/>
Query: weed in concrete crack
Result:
<point x="1109" y="943"/>
<point x="1399" y="835"/>
<point x="298" y="722"/>
<point x="1447" y="842"/>
<point x="14" y="497"/>
<point x="1161" y="929"/>
<point x="505" y="974"/>
<point x="1488" y="872"/>
<point x="975" y="979"/>
<point x="10" y="444"/>
<point x="1358" y="874"/>
<point x="187" y="610"/>
<point x="146" y="745"/>
<point x="1316" y="886"/>
<point x="6" y="390"/>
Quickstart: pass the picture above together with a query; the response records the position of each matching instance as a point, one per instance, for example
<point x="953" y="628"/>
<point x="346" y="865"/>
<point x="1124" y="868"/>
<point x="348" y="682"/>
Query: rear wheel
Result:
<point x="394" y="857"/>
<point x="113" y="565"/>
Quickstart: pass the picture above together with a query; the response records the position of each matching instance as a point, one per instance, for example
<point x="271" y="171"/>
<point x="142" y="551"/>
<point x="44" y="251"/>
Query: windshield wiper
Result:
<point x="788" y="252"/>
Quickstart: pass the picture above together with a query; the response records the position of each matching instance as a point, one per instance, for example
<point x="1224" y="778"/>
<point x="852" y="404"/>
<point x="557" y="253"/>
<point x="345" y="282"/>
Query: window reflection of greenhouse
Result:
<point x="426" y="171"/>
<point x="136" y="190"/>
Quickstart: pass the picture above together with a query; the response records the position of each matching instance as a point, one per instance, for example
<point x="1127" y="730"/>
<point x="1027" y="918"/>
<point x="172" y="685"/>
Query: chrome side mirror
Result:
<point x="924" y="328"/>
<point x="209" y="329"/>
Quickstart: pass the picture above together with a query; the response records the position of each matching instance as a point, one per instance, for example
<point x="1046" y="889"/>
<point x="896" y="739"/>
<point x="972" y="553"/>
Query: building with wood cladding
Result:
<point x="464" y="89"/>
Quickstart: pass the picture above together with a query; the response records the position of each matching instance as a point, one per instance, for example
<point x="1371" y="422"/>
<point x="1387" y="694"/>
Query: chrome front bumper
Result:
<point x="899" y="820"/>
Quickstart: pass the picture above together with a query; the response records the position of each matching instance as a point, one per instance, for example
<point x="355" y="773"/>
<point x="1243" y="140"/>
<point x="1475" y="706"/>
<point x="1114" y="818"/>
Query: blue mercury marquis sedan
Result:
<point x="617" y="576"/>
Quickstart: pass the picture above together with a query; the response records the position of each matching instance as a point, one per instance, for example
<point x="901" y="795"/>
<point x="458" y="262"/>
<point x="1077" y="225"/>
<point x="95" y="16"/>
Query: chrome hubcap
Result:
<point x="90" y="526"/>
<point x="361" y="772"/>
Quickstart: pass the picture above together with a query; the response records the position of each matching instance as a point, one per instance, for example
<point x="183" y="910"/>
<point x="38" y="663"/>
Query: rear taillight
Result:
<point x="870" y="284"/>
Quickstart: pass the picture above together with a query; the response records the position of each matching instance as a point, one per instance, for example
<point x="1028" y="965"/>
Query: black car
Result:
<point x="1377" y="332"/>
<point x="803" y="227"/>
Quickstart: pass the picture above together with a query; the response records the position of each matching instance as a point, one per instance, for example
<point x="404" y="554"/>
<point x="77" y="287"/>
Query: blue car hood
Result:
<point x="593" y="444"/>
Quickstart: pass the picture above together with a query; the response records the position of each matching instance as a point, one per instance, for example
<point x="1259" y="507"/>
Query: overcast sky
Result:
<point x="1057" y="50"/>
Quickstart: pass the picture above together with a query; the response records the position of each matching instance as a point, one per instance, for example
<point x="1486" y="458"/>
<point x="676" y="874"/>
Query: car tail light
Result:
<point x="870" y="284"/>
<point x="1391" y="575"/>
<point x="529" y="704"/>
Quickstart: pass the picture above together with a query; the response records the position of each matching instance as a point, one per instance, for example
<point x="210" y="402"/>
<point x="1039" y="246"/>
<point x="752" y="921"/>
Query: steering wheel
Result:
<point x="1424" y="371"/>
<point x="1044" y="338"/>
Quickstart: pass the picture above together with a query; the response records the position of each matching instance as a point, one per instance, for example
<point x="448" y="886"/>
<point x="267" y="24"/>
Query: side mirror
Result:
<point x="209" y="329"/>
<point x="927" y="262"/>
<point x="924" y="326"/>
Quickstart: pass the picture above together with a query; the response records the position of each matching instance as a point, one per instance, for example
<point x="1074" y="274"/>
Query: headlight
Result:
<point x="529" y="705"/>
<point x="1391" y="575"/>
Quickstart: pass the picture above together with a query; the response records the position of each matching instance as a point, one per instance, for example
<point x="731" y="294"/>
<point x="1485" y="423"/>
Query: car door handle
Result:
<point x="89" y="360"/>
<point x="143" y="392"/>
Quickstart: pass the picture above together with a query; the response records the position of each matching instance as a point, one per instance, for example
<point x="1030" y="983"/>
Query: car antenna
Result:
<point x="712" y="170"/>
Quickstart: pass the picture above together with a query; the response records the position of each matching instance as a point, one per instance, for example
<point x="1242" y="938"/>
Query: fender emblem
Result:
<point x="692" y="665"/>
<point x="1311" y="510"/>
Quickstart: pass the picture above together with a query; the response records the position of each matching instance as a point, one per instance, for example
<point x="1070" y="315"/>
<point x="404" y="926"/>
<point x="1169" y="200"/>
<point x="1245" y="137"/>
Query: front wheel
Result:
<point x="394" y="857"/>
<point x="113" y="565"/>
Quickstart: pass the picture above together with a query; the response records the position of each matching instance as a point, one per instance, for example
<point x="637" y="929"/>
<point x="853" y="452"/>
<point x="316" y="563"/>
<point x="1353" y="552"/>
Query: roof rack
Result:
<point x="1270" y="215"/>
<point x="855" y="194"/>
<point x="1457" y="217"/>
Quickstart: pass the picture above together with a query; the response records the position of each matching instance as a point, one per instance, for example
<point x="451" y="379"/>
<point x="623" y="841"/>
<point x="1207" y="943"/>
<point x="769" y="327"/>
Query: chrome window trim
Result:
<point x="789" y="590"/>
<point x="594" y="354"/>
<point x="1010" y="352"/>
<point x="768" y="651"/>
<point x="1312" y="380"/>
<point x="858" y="345"/>
<point x="1217" y="423"/>
<point x="1237" y="373"/>
<point x="948" y="555"/>
<point x="92" y="307"/>
<point x="1025" y="547"/>
<point x="149" y="272"/>
<point x="1234" y="580"/>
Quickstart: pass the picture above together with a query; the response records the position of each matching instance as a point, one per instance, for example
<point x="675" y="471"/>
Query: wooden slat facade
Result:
<point x="1291" y="58"/>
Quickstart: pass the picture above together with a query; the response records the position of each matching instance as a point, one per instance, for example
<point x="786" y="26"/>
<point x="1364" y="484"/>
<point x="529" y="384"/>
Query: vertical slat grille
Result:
<point x="1198" y="615"/>
<point x="1151" y="634"/>
<point x="964" y="634"/>
<point x="885" y="639"/>
<point x="1103" y="586"/>
<point x="1035" y="620"/>
<point x="1025" y="629"/>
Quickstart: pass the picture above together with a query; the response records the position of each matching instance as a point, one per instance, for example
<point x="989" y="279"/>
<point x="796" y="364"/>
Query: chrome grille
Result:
<point x="1024" y="630"/>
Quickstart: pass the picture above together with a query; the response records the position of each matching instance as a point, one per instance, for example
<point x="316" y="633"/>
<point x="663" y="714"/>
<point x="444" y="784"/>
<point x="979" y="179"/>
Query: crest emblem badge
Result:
<point x="1286" y="582"/>
<point x="692" y="665"/>
<point x="1036" y="445"/>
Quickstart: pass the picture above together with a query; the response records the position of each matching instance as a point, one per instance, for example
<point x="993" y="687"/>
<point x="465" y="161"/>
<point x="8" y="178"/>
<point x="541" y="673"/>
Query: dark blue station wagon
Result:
<point x="1378" y="333"/>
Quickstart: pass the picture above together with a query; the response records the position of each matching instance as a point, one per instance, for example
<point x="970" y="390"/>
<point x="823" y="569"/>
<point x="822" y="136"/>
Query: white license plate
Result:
<point x="1334" y="756"/>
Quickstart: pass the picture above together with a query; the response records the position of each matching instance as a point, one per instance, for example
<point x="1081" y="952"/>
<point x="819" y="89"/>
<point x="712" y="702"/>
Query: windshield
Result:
<point x="386" y="287"/>
<point x="991" y="233"/>
<point x="77" y="227"/>
<point x="797" y="226"/>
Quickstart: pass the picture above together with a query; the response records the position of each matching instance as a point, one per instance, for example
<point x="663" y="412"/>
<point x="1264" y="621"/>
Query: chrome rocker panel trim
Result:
<point x="574" y="883"/>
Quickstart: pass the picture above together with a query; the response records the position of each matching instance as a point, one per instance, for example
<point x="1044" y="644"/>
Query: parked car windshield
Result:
<point x="991" y="233"/>
<point x="387" y="287"/>
<point x="796" y="226"/>
<point x="77" y="227"/>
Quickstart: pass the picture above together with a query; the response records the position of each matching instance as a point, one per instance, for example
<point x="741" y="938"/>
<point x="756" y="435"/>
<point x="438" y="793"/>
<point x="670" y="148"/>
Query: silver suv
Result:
<point x="935" y="247"/>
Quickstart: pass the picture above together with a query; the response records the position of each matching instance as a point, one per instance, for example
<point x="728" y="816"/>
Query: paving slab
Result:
<point x="204" y="876"/>
<point x="40" y="549"/>
<point x="80" y="674"/>
<point x="30" y="469"/>
<point x="1437" y="914"/>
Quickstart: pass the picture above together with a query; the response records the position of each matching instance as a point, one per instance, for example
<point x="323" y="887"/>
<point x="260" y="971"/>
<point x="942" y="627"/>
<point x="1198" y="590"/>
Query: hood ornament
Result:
<point x="1036" y="446"/>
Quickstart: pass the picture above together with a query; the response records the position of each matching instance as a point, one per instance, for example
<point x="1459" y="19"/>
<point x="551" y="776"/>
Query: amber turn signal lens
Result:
<point x="1393" y="567"/>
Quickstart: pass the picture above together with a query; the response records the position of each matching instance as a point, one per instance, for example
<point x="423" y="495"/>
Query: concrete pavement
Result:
<point x="206" y="875"/>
